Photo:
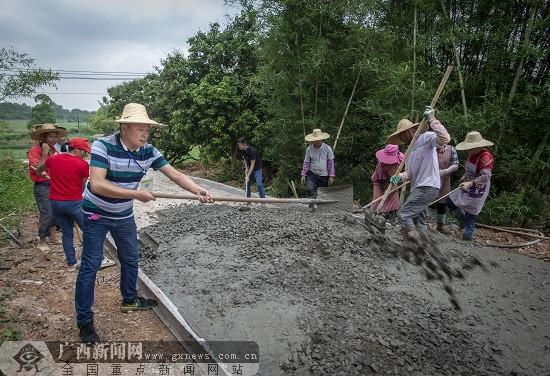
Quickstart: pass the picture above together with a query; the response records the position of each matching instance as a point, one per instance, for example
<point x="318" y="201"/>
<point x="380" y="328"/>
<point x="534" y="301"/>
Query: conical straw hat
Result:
<point x="473" y="140"/>
<point x="136" y="113"/>
<point x="317" y="135"/>
<point x="402" y="126"/>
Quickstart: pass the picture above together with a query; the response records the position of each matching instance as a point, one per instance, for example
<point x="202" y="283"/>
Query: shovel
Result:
<point x="338" y="198"/>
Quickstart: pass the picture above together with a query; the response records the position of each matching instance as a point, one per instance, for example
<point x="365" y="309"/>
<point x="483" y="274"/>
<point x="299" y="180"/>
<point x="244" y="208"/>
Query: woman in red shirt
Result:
<point x="46" y="136"/>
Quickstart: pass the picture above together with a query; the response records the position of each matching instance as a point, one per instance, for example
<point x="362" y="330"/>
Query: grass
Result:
<point x="16" y="190"/>
<point x="20" y="126"/>
<point x="15" y="153"/>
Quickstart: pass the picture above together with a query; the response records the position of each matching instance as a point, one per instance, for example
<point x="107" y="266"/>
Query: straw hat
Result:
<point x="40" y="129"/>
<point x="402" y="126"/>
<point x="390" y="154"/>
<point x="473" y="140"/>
<point x="135" y="113"/>
<point x="317" y="135"/>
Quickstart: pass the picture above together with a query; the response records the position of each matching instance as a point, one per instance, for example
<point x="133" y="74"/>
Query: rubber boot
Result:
<point x="441" y="225"/>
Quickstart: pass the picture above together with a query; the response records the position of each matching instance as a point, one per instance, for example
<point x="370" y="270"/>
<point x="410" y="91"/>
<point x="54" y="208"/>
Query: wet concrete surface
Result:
<point x="322" y="295"/>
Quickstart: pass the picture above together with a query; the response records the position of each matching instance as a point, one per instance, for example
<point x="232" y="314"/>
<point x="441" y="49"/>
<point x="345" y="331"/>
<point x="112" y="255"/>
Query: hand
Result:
<point x="442" y="173"/>
<point x="303" y="180"/>
<point x="144" y="196"/>
<point x="466" y="185"/>
<point x="429" y="113"/>
<point x="330" y="180"/>
<point x="396" y="179"/>
<point x="204" y="196"/>
<point x="45" y="148"/>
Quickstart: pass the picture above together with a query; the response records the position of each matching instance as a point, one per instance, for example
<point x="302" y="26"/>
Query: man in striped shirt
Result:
<point x="118" y="163"/>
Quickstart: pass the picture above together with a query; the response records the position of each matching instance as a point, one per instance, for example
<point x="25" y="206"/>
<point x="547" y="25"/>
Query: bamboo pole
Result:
<point x="517" y="75"/>
<point x="347" y="108"/>
<point x="512" y="231"/>
<point x="414" y="62"/>
<point x="457" y="61"/>
<point x="418" y="131"/>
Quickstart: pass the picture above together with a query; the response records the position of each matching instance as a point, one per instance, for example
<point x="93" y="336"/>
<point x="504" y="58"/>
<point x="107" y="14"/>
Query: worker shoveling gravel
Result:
<point x="323" y="294"/>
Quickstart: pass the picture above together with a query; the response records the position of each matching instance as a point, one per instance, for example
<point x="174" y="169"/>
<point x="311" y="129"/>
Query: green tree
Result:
<point x="42" y="112"/>
<point x="19" y="77"/>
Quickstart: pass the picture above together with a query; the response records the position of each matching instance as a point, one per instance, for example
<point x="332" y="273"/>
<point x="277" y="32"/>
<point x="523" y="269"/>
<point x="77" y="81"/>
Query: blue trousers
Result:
<point x="465" y="218"/>
<point x="66" y="214"/>
<point x="124" y="233"/>
<point x="257" y="177"/>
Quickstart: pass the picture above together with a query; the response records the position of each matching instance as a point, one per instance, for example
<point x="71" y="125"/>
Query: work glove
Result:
<point x="395" y="180"/>
<point x="466" y="185"/>
<point x="429" y="113"/>
<point x="442" y="172"/>
<point x="303" y="180"/>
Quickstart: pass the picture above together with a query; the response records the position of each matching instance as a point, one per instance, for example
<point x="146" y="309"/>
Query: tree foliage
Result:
<point x="19" y="77"/>
<point x="42" y="112"/>
<point x="283" y="67"/>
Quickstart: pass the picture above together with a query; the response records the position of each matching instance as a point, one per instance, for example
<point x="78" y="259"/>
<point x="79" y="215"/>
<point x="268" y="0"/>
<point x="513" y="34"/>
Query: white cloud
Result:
<point x="102" y="35"/>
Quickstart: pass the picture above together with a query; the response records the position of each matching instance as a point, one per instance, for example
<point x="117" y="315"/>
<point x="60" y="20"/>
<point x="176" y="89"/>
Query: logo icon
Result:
<point x="28" y="358"/>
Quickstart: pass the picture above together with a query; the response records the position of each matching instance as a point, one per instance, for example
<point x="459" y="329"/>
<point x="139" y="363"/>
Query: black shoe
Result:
<point x="138" y="304"/>
<point x="88" y="333"/>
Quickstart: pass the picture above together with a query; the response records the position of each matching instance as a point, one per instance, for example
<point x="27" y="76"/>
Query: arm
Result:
<point x="331" y="171"/>
<point x="443" y="136"/>
<point x="453" y="164"/>
<point x="483" y="178"/>
<point x="330" y="166"/>
<point x="186" y="183"/>
<point x="101" y="186"/>
<point x="250" y="169"/>
<point x="37" y="158"/>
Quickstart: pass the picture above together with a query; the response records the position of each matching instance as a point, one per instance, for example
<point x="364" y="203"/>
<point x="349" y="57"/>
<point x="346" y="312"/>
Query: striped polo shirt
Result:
<point x="124" y="169"/>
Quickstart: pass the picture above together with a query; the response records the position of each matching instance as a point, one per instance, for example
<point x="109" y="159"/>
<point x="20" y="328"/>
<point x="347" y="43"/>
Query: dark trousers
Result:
<point x="124" y="233"/>
<point x="314" y="181"/>
<point x="46" y="220"/>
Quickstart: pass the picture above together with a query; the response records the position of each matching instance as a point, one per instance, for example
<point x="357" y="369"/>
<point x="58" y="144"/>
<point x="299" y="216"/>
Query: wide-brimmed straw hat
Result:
<point x="317" y="135"/>
<point x="473" y="140"/>
<point x="135" y="113"/>
<point x="40" y="129"/>
<point x="390" y="154"/>
<point x="402" y="126"/>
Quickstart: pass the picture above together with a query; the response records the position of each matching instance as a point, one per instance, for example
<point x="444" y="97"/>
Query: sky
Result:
<point x="102" y="36"/>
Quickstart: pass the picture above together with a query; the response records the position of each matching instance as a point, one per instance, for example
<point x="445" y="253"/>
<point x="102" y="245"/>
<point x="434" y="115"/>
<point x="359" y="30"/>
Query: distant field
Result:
<point x="16" y="153"/>
<point x="20" y="126"/>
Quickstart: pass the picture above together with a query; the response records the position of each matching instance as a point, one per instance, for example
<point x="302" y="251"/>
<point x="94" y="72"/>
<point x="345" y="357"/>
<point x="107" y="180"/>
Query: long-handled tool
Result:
<point x="442" y="197"/>
<point x="396" y="188"/>
<point x="418" y="131"/>
<point x="338" y="198"/>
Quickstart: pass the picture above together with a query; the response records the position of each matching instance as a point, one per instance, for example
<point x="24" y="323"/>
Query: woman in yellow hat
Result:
<point x="468" y="202"/>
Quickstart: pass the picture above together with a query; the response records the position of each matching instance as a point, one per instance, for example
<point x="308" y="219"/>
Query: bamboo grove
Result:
<point x="282" y="67"/>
